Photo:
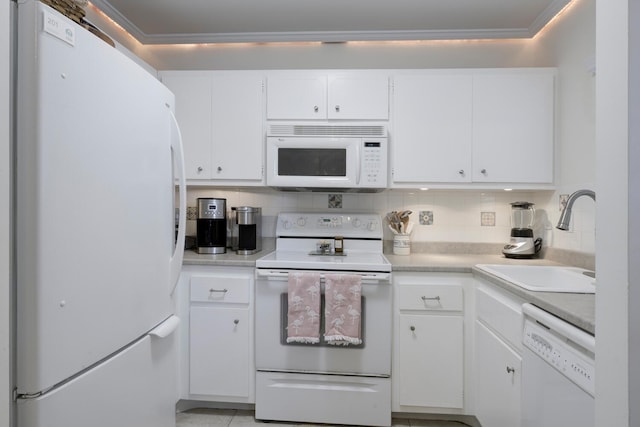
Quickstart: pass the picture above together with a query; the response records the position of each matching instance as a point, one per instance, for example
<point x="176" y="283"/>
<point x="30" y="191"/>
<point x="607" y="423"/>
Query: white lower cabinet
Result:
<point x="498" y="380"/>
<point x="430" y="360"/>
<point x="498" y="348"/>
<point x="431" y="348"/>
<point x="218" y="353"/>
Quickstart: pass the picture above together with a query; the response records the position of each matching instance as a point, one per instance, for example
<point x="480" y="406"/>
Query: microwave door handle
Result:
<point x="358" y="165"/>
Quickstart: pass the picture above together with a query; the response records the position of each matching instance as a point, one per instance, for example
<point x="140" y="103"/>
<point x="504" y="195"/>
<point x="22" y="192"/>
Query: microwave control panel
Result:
<point x="373" y="168"/>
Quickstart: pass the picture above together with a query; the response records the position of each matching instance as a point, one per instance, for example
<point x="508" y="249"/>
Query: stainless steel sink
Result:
<point x="544" y="278"/>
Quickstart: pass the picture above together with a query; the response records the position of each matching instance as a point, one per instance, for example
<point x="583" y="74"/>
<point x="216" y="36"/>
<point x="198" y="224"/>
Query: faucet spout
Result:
<point x="565" y="217"/>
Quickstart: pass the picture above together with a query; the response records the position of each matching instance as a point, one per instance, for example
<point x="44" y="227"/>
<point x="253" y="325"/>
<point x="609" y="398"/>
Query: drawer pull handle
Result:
<point x="425" y="299"/>
<point x="510" y="370"/>
<point x="218" y="290"/>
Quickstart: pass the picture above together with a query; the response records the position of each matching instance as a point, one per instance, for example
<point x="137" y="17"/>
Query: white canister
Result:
<point x="401" y="244"/>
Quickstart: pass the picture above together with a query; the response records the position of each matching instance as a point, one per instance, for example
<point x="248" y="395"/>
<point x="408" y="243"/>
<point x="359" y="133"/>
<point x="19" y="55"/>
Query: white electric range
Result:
<point x="322" y="383"/>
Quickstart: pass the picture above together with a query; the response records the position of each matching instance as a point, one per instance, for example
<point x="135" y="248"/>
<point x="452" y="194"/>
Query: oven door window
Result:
<point x="323" y="162"/>
<point x="284" y="321"/>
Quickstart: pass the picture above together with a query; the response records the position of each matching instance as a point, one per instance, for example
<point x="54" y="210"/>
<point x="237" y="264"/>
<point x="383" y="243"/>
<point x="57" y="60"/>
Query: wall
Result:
<point x="5" y="216"/>
<point x="456" y="214"/>
<point x="567" y="43"/>
<point x="634" y="205"/>
<point x="570" y="44"/>
<point x="614" y="187"/>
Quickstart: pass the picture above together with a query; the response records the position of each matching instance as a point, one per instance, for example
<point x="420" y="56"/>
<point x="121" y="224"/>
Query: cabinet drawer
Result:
<point x="220" y="289"/>
<point x="430" y="298"/>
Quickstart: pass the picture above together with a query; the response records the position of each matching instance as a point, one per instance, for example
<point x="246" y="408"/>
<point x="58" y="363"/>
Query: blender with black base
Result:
<point x="522" y="243"/>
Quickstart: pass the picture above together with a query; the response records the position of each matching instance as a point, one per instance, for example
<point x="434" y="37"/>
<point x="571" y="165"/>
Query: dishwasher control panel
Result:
<point x="569" y="358"/>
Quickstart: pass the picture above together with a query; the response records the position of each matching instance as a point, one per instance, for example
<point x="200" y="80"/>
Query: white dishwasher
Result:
<point x="558" y="375"/>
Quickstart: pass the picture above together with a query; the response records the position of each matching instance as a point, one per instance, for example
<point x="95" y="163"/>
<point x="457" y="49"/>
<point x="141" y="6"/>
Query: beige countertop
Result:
<point x="577" y="309"/>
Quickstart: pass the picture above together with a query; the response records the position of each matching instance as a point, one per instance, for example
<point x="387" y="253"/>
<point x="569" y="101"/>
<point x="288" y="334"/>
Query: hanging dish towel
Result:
<point x="304" y="308"/>
<point x="342" y="309"/>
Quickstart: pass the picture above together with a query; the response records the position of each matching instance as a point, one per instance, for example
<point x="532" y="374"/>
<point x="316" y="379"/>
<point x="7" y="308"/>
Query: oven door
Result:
<point x="372" y="357"/>
<point x="312" y="162"/>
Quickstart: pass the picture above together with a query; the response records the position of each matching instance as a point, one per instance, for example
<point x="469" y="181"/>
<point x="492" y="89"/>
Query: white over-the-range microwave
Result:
<point x="327" y="157"/>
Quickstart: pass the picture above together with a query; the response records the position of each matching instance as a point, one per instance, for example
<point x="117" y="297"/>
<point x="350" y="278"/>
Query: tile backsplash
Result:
<point x="438" y="215"/>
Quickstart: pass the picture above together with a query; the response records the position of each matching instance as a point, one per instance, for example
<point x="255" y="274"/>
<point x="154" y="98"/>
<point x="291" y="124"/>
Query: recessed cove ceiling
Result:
<point x="230" y="21"/>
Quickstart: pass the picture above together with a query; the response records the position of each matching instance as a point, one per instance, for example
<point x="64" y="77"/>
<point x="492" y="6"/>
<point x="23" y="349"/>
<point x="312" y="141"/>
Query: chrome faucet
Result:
<point x="565" y="217"/>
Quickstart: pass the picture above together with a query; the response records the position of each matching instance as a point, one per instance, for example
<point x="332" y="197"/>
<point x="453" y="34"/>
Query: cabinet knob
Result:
<point x="337" y="108"/>
<point x="461" y="172"/>
<point x="200" y="169"/>
<point x="219" y="169"/>
<point x="483" y="171"/>
<point x="510" y="370"/>
<point x="316" y="109"/>
<point x="236" y="321"/>
<point x="413" y="328"/>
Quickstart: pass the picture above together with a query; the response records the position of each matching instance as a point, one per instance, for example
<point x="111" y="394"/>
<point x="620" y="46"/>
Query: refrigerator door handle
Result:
<point x="166" y="328"/>
<point x="178" y="158"/>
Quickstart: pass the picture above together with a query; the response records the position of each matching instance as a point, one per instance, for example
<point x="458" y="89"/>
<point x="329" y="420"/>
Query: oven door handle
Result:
<point x="373" y="277"/>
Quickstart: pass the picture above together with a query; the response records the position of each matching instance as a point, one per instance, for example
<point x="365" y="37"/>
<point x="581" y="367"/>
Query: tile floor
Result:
<point x="240" y="418"/>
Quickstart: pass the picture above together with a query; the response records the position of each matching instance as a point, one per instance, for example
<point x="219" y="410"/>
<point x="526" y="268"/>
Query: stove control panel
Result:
<point x="355" y="225"/>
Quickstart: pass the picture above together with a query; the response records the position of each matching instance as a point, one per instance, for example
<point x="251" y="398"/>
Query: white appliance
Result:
<point x="558" y="375"/>
<point x="321" y="383"/>
<point x="327" y="157"/>
<point x="95" y="247"/>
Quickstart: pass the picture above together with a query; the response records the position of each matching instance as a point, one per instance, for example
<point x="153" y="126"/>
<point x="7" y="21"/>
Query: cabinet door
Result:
<point x="219" y="351"/>
<point x="432" y="120"/>
<point x="237" y="126"/>
<point x="302" y="96"/>
<point x="358" y="97"/>
<point x="513" y="127"/>
<point x="193" y="112"/>
<point x="431" y="361"/>
<point x="498" y="380"/>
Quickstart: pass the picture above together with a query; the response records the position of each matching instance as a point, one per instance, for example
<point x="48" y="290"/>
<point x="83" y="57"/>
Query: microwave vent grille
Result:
<point x="328" y="130"/>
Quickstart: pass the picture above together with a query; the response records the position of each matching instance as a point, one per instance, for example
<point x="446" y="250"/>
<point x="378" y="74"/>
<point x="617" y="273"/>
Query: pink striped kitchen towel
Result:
<point x="342" y="309"/>
<point x="304" y="308"/>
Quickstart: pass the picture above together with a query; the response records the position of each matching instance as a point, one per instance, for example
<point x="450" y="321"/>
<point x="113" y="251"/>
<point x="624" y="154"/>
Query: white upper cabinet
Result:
<point x="192" y="90"/>
<point x="237" y="126"/>
<point x="221" y="114"/>
<point x="319" y="96"/>
<point x="358" y="97"/>
<point x="297" y="97"/>
<point x="432" y="128"/>
<point x="473" y="128"/>
<point x="513" y="126"/>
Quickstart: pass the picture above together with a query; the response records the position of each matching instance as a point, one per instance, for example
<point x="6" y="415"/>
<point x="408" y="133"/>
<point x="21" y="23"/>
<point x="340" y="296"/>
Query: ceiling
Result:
<point x="232" y="21"/>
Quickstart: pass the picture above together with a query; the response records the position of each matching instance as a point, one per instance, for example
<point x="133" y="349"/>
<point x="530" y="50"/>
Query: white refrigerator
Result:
<point x="98" y="160"/>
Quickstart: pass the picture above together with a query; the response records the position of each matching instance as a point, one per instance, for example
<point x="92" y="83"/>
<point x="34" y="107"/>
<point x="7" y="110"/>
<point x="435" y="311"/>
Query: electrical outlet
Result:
<point x="563" y="199"/>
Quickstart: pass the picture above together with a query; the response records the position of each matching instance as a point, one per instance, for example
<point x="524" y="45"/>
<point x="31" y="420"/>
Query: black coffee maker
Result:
<point x="212" y="226"/>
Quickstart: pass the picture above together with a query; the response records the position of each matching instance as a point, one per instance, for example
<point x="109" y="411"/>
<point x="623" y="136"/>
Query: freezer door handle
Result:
<point x="166" y="328"/>
<point x="178" y="159"/>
